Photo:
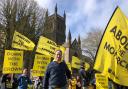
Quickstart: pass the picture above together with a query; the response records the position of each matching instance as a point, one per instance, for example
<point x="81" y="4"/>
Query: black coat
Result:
<point x="83" y="76"/>
<point x="9" y="84"/>
<point x="56" y="74"/>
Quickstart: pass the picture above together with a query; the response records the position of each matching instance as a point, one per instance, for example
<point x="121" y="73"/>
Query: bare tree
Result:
<point x="91" y="42"/>
<point x="2" y="40"/>
<point x="22" y="15"/>
<point x="26" y="17"/>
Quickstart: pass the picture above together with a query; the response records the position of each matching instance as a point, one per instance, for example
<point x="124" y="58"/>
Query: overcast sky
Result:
<point x="82" y="15"/>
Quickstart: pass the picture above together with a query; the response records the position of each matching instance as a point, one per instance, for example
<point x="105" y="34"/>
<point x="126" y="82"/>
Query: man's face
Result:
<point x="58" y="55"/>
<point x="25" y="71"/>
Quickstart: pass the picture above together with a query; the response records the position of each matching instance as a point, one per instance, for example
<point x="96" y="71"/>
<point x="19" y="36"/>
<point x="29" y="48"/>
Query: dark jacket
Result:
<point x="23" y="82"/>
<point x="83" y="76"/>
<point x="56" y="75"/>
<point x="9" y="84"/>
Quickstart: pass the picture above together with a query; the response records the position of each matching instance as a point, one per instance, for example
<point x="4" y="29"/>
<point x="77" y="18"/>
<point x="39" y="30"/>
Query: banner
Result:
<point x="75" y="62"/>
<point x="87" y="66"/>
<point x="22" y="42"/>
<point x="46" y="46"/>
<point x="40" y="64"/>
<point x="111" y="56"/>
<point x="101" y="81"/>
<point x="13" y="61"/>
<point x="69" y="66"/>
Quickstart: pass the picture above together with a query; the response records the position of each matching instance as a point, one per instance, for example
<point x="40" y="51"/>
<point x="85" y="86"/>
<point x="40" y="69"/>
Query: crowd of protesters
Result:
<point x="57" y="76"/>
<point x="10" y="81"/>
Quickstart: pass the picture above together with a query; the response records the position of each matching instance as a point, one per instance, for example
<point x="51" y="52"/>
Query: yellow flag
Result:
<point x="87" y="66"/>
<point x="69" y="66"/>
<point x="40" y="64"/>
<point x="75" y="62"/>
<point x="46" y="46"/>
<point x="22" y="42"/>
<point x="101" y="81"/>
<point x="110" y="57"/>
<point x="13" y="61"/>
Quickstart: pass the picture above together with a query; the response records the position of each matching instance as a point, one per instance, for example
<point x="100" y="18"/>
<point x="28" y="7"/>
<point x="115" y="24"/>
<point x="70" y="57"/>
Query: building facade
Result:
<point x="55" y="29"/>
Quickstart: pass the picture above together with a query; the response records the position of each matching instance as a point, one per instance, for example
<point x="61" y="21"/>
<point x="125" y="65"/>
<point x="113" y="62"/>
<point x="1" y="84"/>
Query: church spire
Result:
<point x="56" y="9"/>
<point x="69" y="38"/>
<point x="64" y="16"/>
<point x="79" y="41"/>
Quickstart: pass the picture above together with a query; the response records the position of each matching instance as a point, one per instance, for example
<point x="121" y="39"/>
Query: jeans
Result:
<point x="54" y="87"/>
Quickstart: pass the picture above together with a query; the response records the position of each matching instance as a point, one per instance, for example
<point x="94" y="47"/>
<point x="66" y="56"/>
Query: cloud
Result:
<point x="90" y="14"/>
<point x="44" y="3"/>
<point x="82" y="15"/>
<point x="124" y="6"/>
<point x="47" y="4"/>
<point x="86" y="7"/>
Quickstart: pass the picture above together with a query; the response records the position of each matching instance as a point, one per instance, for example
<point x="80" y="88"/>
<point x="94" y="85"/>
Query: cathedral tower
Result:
<point x="55" y="27"/>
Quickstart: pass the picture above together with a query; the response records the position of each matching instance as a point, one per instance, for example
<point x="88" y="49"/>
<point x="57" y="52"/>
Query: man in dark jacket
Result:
<point x="57" y="73"/>
<point x="9" y="80"/>
<point x="83" y="76"/>
<point x="24" y="80"/>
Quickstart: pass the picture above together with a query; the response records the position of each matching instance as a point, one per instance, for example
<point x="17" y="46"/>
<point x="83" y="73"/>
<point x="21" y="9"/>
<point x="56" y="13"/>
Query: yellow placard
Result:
<point x="101" y="81"/>
<point x="22" y="42"/>
<point x="75" y="62"/>
<point x="46" y="46"/>
<point x="69" y="65"/>
<point x="111" y="56"/>
<point x="13" y="61"/>
<point x="87" y="66"/>
<point x="40" y="64"/>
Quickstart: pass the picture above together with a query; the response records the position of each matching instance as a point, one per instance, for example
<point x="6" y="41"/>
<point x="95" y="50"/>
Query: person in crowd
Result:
<point x="57" y="73"/>
<point x="93" y="83"/>
<point x="73" y="83"/>
<point x="78" y="82"/>
<point x="24" y="80"/>
<point x="9" y="80"/>
<point x="38" y="83"/>
<point x="83" y="76"/>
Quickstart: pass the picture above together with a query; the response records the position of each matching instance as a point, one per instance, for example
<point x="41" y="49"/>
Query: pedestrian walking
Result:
<point x="83" y="76"/>
<point x="24" y="80"/>
<point x="9" y="81"/>
<point x="57" y="73"/>
<point x="78" y="82"/>
<point x="38" y="83"/>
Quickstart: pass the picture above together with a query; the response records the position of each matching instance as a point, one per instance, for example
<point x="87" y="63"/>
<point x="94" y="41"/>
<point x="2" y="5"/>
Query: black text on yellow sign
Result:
<point x="75" y="62"/>
<point x="40" y="64"/>
<point x="101" y="81"/>
<point x="13" y="61"/>
<point x="22" y="42"/>
<point x="111" y="56"/>
<point x="46" y="46"/>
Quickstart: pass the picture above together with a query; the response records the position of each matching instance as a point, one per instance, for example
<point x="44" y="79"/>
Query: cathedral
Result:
<point x="55" y="29"/>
